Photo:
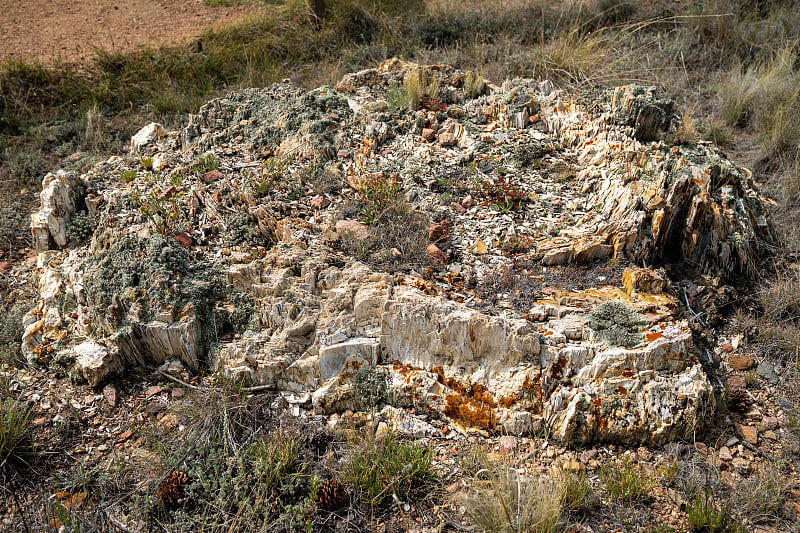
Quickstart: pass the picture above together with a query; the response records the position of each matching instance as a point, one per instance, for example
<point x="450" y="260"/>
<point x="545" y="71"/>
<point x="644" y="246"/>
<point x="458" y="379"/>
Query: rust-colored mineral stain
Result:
<point x="469" y="412"/>
<point x="507" y="401"/>
<point x="653" y="335"/>
<point x="557" y="370"/>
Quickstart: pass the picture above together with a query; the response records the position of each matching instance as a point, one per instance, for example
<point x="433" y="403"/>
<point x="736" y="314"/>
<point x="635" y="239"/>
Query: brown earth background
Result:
<point x="72" y="30"/>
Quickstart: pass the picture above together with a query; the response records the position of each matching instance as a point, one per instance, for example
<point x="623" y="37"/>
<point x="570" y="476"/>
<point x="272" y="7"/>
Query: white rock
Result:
<point x="95" y="362"/>
<point x="152" y="132"/>
<point x="59" y="197"/>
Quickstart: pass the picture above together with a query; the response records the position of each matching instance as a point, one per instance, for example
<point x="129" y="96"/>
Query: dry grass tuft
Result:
<point x="501" y="499"/>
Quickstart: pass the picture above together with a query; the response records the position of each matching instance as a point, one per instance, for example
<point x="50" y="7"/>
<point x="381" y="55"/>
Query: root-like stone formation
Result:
<point x="234" y="244"/>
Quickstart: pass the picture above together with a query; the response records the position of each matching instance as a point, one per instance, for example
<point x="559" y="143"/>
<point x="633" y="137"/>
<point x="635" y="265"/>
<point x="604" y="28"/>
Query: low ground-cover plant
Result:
<point x="761" y="497"/>
<point x="501" y="499"/>
<point x="703" y="514"/>
<point x="15" y="420"/>
<point x="627" y="481"/>
<point x="383" y="466"/>
<point x="617" y="324"/>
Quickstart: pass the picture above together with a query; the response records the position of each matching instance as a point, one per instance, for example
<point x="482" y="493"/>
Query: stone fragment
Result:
<point x="770" y="422"/>
<point x="212" y="175"/>
<point x="741" y="466"/>
<point x="111" y="395"/>
<point x="61" y="193"/>
<point x="741" y="362"/>
<point x="735" y="382"/>
<point x="588" y="455"/>
<point x="748" y="433"/>
<point x="468" y="201"/>
<point x="770" y="435"/>
<point x="349" y="357"/>
<point x="643" y="280"/>
<point x="319" y="202"/>
<point x="95" y="362"/>
<point x="153" y="408"/>
<point x="352" y="229"/>
<point x="125" y="435"/>
<point x="148" y="134"/>
<point x="767" y="371"/>
<point x="153" y="390"/>
<point x="457" y="207"/>
<point x="168" y="421"/>
<point x="725" y="454"/>
<point x="637" y="107"/>
<point x="428" y="134"/>
<point x="447" y="139"/>
<point x="436" y="255"/>
<point x="439" y="231"/>
<point x="184" y="239"/>
<point x="480" y="248"/>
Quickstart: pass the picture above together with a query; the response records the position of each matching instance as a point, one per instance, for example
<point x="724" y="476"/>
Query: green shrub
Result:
<point x="128" y="176"/>
<point x="378" y="193"/>
<point x="274" y="460"/>
<point x="81" y="226"/>
<point x="704" y="515"/>
<point x="206" y="163"/>
<point x="577" y="489"/>
<point x="385" y="466"/>
<point x="761" y="497"/>
<point x="11" y="332"/>
<point x="627" y="481"/>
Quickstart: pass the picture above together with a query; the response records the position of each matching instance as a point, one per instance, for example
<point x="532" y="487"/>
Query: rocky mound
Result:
<point x="416" y="237"/>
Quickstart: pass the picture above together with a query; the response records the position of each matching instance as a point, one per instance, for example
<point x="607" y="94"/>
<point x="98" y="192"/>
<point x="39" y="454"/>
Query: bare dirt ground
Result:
<point x="71" y="30"/>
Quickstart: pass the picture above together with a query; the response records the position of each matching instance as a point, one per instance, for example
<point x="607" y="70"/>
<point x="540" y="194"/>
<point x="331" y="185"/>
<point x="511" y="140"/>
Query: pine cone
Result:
<point x="738" y="400"/>
<point x="331" y="495"/>
<point x="171" y="489"/>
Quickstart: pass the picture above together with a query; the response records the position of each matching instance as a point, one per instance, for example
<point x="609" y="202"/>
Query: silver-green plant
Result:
<point x="617" y="324"/>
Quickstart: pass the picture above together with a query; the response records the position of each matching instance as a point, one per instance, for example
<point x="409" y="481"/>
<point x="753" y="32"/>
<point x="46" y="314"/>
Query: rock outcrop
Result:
<point x="234" y="244"/>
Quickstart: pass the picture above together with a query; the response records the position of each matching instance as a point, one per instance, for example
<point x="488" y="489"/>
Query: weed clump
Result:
<point x="617" y="324"/>
<point x="704" y="515"/>
<point x="761" y="497"/>
<point x="377" y="193"/>
<point x="14" y="424"/>
<point x="206" y="163"/>
<point x="243" y="230"/>
<point x="502" y="499"/>
<point x="11" y="332"/>
<point x="627" y="481"/>
<point x="15" y="227"/>
<point x="235" y="477"/>
<point x="385" y="466"/>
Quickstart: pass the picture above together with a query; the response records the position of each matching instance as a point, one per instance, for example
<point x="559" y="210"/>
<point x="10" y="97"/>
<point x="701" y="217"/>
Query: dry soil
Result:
<point x="71" y="30"/>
